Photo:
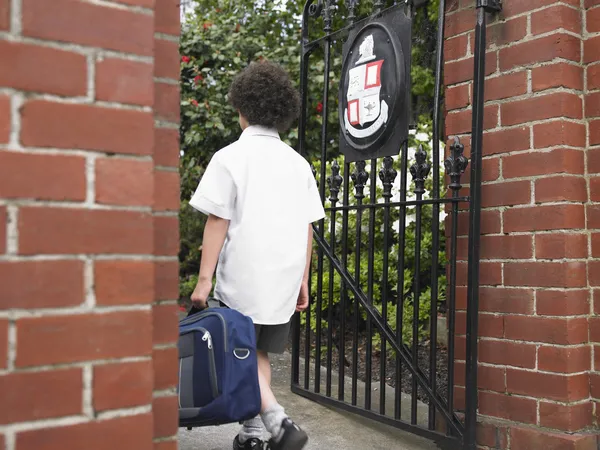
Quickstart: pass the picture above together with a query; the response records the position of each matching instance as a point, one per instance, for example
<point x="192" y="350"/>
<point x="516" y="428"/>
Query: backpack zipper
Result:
<point x="212" y="367"/>
<point x="188" y="320"/>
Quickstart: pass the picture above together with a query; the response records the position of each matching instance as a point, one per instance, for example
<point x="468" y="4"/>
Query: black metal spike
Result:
<point x="351" y="5"/>
<point x="387" y="175"/>
<point x="334" y="182"/>
<point x="360" y="177"/>
<point x="419" y="170"/>
<point x="328" y="15"/>
<point x="456" y="164"/>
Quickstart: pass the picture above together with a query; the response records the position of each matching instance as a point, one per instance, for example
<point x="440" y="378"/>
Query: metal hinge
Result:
<point x="490" y="6"/>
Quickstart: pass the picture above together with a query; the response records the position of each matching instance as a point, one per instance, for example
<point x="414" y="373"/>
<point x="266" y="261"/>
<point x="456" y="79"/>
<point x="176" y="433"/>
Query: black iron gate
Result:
<point x="386" y="267"/>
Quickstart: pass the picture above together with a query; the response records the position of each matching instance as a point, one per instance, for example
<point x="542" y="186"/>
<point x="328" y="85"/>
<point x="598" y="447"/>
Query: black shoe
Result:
<point x="291" y="437"/>
<point x="250" y="444"/>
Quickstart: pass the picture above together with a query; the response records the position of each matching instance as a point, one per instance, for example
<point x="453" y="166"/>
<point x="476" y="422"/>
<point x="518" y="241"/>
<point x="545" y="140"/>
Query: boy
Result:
<point x="261" y="198"/>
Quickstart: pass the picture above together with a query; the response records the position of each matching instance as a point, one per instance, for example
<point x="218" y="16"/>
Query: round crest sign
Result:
<point x="373" y="93"/>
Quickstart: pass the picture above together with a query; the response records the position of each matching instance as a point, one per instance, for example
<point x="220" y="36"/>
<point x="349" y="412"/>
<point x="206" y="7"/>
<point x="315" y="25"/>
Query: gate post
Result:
<point x="539" y="219"/>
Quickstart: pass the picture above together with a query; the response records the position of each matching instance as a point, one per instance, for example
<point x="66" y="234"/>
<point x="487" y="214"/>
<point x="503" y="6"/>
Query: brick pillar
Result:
<point x="538" y="219"/>
<point x="88" y="226"/>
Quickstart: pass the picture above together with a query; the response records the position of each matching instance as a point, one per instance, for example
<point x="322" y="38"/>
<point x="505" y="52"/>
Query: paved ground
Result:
<point x="327" y="428"/>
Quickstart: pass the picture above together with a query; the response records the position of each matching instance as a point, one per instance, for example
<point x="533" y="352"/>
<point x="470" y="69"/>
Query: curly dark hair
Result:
<point x="264" y="95"/>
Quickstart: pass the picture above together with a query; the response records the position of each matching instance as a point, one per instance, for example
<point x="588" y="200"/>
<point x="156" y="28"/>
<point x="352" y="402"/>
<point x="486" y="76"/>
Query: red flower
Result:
<point x="319" y="107"/>
<point x="198" y="78"/>
<point x="185" y="59"/>
<point x="194" y="102"/>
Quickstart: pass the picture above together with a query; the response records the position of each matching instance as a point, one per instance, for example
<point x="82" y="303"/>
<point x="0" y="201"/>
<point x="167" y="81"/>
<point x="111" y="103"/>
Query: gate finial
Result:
<point x="378" y="6"/>
<point x="419" y="170"/>
<point x="387" y="175"/>
<point x="334" y="182"/>
<point x="456" y="164"/>
<point x="351" y="5"/>
<point x="360" y="177"/>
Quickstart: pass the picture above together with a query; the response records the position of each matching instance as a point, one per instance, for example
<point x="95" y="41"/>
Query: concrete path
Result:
<point x="328" y="429"/>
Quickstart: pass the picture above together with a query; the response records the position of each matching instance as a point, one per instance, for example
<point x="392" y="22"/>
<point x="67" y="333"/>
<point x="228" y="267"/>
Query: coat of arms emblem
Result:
<point x="363" y="96"/>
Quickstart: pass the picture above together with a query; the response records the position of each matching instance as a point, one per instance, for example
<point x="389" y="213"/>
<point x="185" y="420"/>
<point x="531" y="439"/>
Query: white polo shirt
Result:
<point x="269" y="194"/>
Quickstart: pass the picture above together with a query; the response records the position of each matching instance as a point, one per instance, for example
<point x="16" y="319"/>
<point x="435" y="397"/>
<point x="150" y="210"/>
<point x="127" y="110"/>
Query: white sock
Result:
<point x="272" y="418"/>
<point x="252" y="428"/>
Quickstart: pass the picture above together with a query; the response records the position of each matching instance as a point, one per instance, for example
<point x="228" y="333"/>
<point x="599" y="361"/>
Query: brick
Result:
<point x="49" y="177"/>
<point x="544" y="329"/>
<point x="594" y="266"/>
<point x="490" y="169"/>
<point x="166" y="236"/>
<point x="593" y="217"/>
<point x="592" y="107"/>
<point x="124" y="81"/>
<point x="166" y="102"/>
<point x="40" y="395"/>
<point x="565" y="417"/>
<point x="457" y="97"/>
<point x="505" y="141"/>
<point x="491" y="378"/>
<point x="166" y="59"/>
<point x="490" y="273"/>
<point x="122" y="433"/>
<point x="595" y="189"/>
<point x="594" y="126"/>
<point x="132" y="381"/>
<point x="166" y="192"/>
<point x="593" y="76"/>
<point x="506" y="86"/>
<point x="165" y="320"/>
<point x="490" y="325"/>
<point x="99" y="336"/>
<point x="503" y="33"/>
<point x="532" y="438"/>
<point x="124" y="282"/>
<point x="124" y="182"/>
<point x="508" y="407"/>
<point x="562" y="303"/>
<point x="456" y="47"/>
<point x="591" y="50"/>
<point x="540" y="50"/>
<point x="34" y="68"/>
<point x="87" y="24"/>
<point x="593" y="20"/>
<point x="165" y="445"/>
<point x="506" y="300"/>
<point x="48" y="124"/>
<point x="558" y="246"/>
<point x="561" y="104"/>
<point x="166" y="280"/>
<point x="559" y="132"/>
<point x="589" y="3"/>
<point x="461" y="71"/>
<point x="543" y="163"/>
<point x="520" y="7"/>
<point x="165" y="410"/>
<point x="3" y="224"/>
<point x="461" y="121"/>
<point x="596" y="363"/>
<point x="166" y="147"/>
<point x="4" y="24"/>
<point x="593" y="160"/>
<point x="556" y="189"/>
<point x="550" y="386"/>
<point x="491" y="435"/>
<point x="142" y="3"/>
<point x="507" y="353"/>
<point x="555" y="18"/>
<point x="545" y="274"/>
<point x="557" y="75"/>
<point x="501" y="247"/>
<point x="564" y="359"/>
<point x="3" y="344"/>
<point x="165" y="361"/>
<point x="5" y="121"/>
<point x="41" y="284"/>
<point x="506" y="194"/>
<point x="595" y="251"/>
<point x="539" y="218"/>
<point x="166" y="14"/>
<point x="490" y="223"/>
<point x="594" y="326"/>
<point x="459" y="22"/>
<point x="67" y="230"/>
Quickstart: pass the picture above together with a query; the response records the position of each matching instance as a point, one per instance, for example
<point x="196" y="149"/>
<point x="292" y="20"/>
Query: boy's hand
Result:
<point x="302" y="302"/>
<point x="201" y="292"/>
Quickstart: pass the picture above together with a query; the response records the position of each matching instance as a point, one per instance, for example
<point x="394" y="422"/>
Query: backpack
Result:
<point x="218" y="369"/>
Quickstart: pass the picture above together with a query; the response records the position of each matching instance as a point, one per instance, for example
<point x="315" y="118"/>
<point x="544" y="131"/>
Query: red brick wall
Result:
<point x="539" y="218"/>
<point x="89" y="194"/>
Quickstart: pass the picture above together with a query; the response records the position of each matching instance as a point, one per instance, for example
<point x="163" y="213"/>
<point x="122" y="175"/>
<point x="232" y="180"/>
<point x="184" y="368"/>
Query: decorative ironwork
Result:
<point x="315" y="9"/>
<point x="456" y="164"/>
<point x="334" y="182"/>
<point x="420" y="170"/>
<point x="378" y="6"/>
<point x="387" y="175"/>
<point x="351" y="5"/>
<point x="328" y="15"/>
<point x="360" y="177"/>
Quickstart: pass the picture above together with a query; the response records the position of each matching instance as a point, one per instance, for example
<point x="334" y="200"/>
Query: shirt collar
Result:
<point x="257" y="130"/>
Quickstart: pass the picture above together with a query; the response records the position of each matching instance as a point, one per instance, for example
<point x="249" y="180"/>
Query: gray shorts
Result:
<point x="270" y="338"/>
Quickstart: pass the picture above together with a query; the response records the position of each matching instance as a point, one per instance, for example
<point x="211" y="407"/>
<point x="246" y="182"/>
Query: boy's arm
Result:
<point x="302" y="302"/>
<point x="213" y="239"/>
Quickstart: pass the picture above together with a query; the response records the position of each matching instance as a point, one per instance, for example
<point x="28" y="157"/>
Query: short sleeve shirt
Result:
<point x="268" y="193"/>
